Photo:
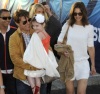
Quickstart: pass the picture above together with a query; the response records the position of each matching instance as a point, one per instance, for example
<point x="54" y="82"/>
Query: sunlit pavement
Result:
<point x="94" y="89"/>
<point x="93" y="86"/>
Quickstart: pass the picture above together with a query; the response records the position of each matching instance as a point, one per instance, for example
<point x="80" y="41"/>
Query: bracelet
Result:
<point x="2" y="87"/>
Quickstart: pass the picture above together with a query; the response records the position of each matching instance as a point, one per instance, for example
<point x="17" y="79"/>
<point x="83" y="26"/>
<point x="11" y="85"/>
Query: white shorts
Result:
<point x="81" y="70"/>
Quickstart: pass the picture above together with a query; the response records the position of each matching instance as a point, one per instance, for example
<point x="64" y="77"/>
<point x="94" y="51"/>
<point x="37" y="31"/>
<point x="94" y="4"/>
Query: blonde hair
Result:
<point x="33" y="9"/>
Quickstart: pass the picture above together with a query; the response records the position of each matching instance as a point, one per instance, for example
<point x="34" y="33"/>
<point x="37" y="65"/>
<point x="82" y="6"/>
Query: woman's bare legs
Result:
<point x="81" y="86"/>
<point x="70" y="87"/>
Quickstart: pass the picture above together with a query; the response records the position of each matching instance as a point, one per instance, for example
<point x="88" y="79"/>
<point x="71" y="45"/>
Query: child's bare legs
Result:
<point x="31" y="81"/>
<point x="38" y="85"/>
<point x="35" y="84"/>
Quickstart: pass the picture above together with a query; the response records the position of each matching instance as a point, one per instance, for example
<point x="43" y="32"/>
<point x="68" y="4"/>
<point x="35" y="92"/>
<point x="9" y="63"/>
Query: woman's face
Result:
<point x="78" y="15"/>
<point x="39" y="11"/>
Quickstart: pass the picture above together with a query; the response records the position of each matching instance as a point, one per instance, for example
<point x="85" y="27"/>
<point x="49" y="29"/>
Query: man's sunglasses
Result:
<point x="5" y="18"/>
<point x="79" y="14"/>
<point x="24" y="22"/>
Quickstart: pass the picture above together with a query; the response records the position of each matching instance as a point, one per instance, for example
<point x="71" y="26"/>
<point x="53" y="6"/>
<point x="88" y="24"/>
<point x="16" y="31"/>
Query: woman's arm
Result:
<point x="1" y="84"/>
<point x="91" y="51"/>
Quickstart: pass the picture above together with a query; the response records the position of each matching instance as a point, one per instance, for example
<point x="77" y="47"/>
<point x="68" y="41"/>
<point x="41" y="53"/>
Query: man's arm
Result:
<point x="1" y="84"/>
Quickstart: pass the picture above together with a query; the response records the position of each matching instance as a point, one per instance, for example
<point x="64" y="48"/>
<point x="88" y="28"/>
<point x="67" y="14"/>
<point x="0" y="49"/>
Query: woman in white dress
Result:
<point x="80" y="37"/>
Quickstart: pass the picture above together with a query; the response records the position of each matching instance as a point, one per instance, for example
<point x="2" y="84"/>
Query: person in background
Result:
<point x="2" y="87"/>
<point x="5" y="62"/>
<point x="80" y="38"/>
<point x="53" y="27"/>
<point x="17" y="45"/>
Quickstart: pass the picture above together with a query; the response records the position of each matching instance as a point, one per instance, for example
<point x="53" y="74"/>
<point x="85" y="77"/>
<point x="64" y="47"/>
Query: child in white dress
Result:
<point x="38" y="55"/>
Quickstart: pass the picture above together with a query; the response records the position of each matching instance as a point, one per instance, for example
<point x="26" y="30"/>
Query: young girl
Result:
<point x="38" y="55"/>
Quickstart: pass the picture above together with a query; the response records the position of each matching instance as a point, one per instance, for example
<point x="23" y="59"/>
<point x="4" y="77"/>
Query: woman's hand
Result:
<point x="66" y="54"/>
<point x="93" y="70"/>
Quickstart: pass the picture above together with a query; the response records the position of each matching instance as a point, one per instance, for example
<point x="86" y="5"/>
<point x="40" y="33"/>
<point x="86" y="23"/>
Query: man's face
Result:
<point x="24" y="24"/>
<point x="5" y="19"/>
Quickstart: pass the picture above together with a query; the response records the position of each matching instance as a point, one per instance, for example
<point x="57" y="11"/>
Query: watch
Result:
<point x="2" y="86"/>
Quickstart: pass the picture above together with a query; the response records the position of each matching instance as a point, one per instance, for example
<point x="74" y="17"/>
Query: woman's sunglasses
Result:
<point x="24" y="22"/>
<point x="5" y="18"/>
<point x="79" y="14"/>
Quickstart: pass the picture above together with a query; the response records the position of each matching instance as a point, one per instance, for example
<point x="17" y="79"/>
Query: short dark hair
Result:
<point x="82" y="7"/>
<point x="19" y="13"/>
<point x="3" y="10"/>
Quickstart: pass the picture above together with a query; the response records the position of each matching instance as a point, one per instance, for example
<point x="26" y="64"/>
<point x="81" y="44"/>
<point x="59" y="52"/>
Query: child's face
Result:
<point x="37" y="26"/>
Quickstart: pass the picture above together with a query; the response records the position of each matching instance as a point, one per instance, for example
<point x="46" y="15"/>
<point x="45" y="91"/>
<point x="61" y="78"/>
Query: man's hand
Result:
<point x="2" y="91"/>
<point x="34" y="68"/>
<point x="47" y="9"/>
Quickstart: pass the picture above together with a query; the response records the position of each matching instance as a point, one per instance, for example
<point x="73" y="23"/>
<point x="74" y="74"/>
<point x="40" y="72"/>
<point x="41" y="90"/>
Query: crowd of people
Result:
<point x="27" y="52"/>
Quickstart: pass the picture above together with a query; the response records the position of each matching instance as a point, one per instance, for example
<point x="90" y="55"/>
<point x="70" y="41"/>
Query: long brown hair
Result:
<point x="81" y="6"/>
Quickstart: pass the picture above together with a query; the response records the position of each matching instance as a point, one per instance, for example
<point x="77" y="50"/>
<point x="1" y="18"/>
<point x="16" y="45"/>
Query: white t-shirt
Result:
<point x="80" y="38"/>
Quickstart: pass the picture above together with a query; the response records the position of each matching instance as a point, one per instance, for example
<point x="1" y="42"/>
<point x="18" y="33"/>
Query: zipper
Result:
<point x="5" y="54"/>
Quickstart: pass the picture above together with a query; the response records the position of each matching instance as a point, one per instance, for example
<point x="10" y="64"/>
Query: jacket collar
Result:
<point x="30" y="32"/>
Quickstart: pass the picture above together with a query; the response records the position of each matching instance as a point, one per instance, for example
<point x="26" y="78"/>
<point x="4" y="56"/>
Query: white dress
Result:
<point x="36" y="56"/>
<point x="80" y="38"/>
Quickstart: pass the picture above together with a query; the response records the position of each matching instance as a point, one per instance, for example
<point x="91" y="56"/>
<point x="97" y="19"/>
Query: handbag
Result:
<point x="66" y="63"/>
<point x="60" y="47"/>
<point x="47" y="79"/>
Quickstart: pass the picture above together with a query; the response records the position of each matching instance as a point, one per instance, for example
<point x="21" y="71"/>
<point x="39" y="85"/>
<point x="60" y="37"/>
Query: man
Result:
<point x="18" y="42"/>
<point x="5" y="62"/>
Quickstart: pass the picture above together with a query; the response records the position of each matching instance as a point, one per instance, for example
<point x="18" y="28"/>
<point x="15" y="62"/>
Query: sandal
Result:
<point x="37" y="89"/>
